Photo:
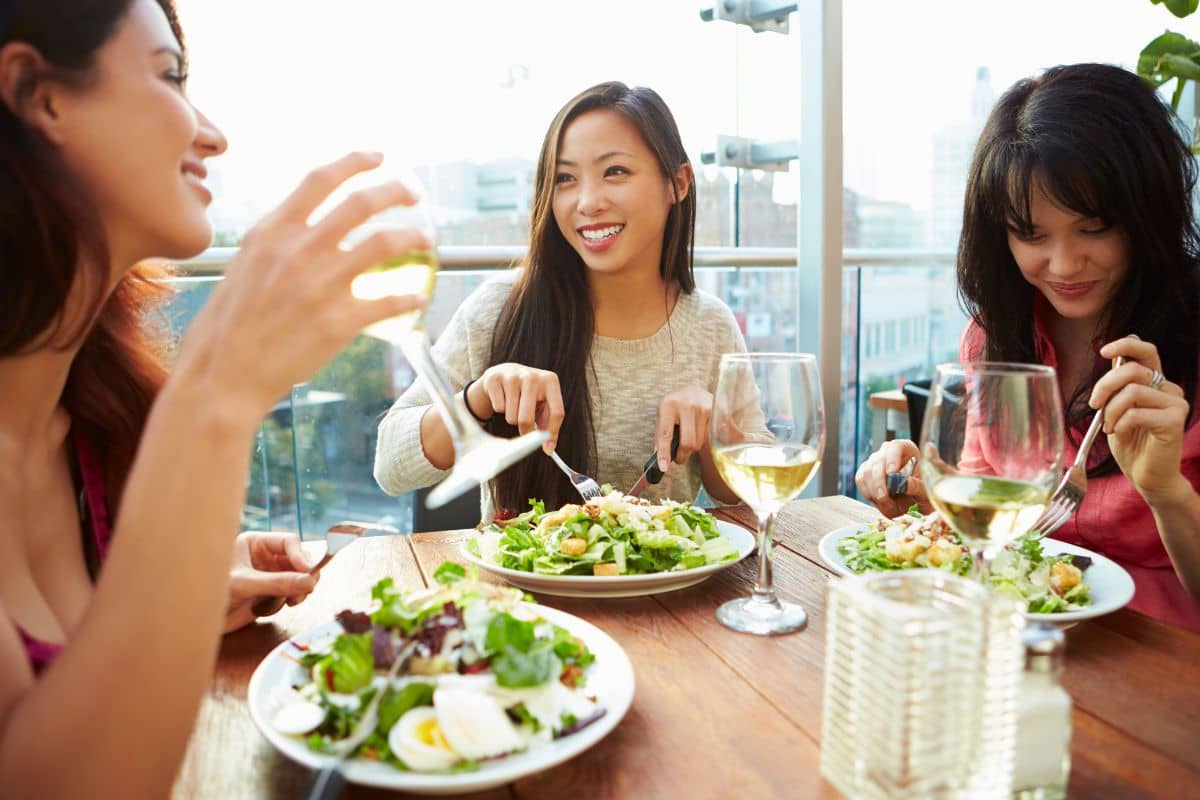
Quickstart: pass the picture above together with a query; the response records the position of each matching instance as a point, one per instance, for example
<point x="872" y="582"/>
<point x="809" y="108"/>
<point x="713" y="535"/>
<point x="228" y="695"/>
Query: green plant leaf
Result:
<point x="1159" y="59"/>
<point x="1180" y="8"/>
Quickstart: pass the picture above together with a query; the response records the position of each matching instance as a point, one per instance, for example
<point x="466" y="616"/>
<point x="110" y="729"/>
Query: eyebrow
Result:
<point x="169" y="50"/>
<point x="602" y="157"/>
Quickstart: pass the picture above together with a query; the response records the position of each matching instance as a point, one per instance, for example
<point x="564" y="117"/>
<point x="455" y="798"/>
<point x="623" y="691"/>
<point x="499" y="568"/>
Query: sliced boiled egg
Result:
<point x="418" y="740"/>
<point x="297" y="717"/>
<point x="474" y="724"/>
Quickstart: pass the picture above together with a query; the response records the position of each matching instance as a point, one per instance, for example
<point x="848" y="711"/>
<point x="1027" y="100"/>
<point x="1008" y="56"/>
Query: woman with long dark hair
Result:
<point x="601" y="336"/>
<point x="121" y="483"/>
<point x="1080" y="245"/>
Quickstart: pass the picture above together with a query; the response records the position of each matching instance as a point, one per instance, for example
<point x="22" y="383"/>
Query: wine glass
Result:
<point x="478" y="456"/>
<point x="767" y="435"/>
<point x="991" y="450"/>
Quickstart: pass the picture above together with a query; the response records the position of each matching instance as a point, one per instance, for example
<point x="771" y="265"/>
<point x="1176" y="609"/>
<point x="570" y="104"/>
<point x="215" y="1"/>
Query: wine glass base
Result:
<point x="749" y="615"/>
<point x="483" y="458"/>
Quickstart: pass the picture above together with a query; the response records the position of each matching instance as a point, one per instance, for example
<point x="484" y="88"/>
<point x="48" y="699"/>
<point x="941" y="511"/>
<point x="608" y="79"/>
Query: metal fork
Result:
<point x="587" y="487"/>
<point x="1069" y="494"/>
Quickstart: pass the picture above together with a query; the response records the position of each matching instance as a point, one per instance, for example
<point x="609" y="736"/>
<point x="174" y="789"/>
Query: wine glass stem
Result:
<point x="764" y="584"/>
<point x="416" y="349"/>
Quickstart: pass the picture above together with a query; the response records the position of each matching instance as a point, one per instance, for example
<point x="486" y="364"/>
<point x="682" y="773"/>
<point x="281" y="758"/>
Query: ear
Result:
<point x="26" y="92"/>
<point x="682" y="181"/>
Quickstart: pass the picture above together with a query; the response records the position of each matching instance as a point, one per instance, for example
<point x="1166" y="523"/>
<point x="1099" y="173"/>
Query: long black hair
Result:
<point x="549" y="322"/>
<point x="1100" y="142"/>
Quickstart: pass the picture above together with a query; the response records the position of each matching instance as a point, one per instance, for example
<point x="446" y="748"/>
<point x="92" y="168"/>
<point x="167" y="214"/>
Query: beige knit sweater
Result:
<point x="629" y="378"/>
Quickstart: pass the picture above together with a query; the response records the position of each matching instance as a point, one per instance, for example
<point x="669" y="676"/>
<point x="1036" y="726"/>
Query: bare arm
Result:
<point x="121" y="697"/>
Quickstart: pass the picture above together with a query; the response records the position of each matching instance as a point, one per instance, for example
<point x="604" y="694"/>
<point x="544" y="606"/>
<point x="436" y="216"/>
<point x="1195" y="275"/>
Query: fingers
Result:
<point x="320" y="183"/>
<point x="690" y="438"/>
<point x="365" y="312"/>
<point x="553" y="412"/>
<point x="529" y="398"/>
<point x="1134" y="349"/>
<point x="1131" y="373"/>
<point x="246" y="584"/>
<point x="295" y="553"/>
<point x="382" y="247"/>
<point x="359" y="207"/>
<point x="1136" y="405"/>
<point x="871" y="477"/>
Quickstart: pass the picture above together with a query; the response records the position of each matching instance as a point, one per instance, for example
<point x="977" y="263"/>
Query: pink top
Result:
<point x="1113" y="518"/>
<point x="42" y="653"/>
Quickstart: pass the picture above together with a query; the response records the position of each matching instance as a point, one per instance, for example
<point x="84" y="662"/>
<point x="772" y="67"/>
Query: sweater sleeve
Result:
<point x="462" y="351"/>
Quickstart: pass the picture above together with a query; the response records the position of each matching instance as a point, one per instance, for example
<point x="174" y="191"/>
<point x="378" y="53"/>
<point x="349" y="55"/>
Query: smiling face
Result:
<point x="1076" y="262"/>
<point x="611" y="200"/>
<point x="137" y="145"/>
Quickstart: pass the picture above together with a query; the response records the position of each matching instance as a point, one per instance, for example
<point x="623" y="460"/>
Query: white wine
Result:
<point x="766" y="476"/>
<point x="985" y="508"/>
<point x="411" y="273"/>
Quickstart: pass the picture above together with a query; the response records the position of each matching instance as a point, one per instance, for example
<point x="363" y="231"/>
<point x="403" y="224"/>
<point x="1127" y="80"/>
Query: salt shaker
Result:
<point x="1043" y="753"/>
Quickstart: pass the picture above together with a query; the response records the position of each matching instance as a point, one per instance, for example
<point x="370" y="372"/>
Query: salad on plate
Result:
<point x="610" y="535"/>
<point x="479" y="676"/>
<point x="1048" y="584"/>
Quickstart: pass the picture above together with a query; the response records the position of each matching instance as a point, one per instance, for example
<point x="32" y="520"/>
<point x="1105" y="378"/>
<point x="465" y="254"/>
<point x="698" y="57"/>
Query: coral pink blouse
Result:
<point x="1113" y="518"/>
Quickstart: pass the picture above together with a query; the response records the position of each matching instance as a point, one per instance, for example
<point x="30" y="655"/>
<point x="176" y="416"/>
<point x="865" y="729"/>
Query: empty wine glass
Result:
<point x="478" y="456"/>
<point x="991" y="450"/>
<point x="767" y="435"/>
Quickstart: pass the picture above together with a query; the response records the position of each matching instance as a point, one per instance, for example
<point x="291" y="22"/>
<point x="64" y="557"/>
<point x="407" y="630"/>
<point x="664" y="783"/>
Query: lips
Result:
<point x="600" y="236"/>
<point x="194" y="173"/>
<point x="1072" y="290"/>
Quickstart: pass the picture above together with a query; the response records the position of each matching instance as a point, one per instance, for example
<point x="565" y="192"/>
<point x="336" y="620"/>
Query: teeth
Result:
<point x="596" y="234"/>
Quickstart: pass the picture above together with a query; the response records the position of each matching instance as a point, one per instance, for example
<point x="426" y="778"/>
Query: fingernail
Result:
<point x="880" y="493"/>
<point x="663" y="464"/>
<point x="374" y="155"/>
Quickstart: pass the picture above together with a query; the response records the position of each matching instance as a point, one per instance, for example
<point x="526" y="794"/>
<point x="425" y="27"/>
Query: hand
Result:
<point x="528" y="398"/>
<point x="871" y="478"/>
<point x="1144" y="424"/>
<point x="266" y="564"/>
<point x="689" y="408"/>
<point x="285" y="307"/>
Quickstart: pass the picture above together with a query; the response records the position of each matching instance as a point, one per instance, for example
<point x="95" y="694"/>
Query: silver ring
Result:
<point x="1156" y="379"/>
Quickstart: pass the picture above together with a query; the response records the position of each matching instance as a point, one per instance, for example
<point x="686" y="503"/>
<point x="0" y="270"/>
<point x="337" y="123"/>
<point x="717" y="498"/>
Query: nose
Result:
<point x="209" y="139"/>
<point x="591" y="198"/>
<point x="1066" y="259"/>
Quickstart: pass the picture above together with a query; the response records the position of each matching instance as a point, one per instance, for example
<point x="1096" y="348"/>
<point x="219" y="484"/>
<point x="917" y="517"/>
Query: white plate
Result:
<point x="1111" y="585"/>
<point x="609" y="678"/>
<point x="617" y="585"/>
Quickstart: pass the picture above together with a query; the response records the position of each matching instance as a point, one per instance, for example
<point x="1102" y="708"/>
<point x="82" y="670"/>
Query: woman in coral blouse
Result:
<point x="1079" y="246"/>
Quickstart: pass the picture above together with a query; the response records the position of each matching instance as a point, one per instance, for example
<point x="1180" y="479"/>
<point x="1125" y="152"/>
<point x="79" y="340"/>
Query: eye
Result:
<point x="177" y="78"/>
<point x="614" y="171"/>
<point x="1096" y="228"/>
<point x="563" y="177"/>
<point x="1026" y="236"/>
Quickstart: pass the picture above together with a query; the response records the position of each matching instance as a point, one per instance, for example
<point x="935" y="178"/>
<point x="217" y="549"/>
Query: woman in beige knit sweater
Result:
<point x="601" y="336"/>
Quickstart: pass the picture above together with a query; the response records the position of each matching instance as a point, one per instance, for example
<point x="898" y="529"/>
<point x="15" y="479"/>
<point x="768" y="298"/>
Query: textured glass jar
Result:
<point x="922" y="674"/>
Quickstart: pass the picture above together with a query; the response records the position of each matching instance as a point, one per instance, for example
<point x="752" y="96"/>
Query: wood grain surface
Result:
<point x="720" y="714"/>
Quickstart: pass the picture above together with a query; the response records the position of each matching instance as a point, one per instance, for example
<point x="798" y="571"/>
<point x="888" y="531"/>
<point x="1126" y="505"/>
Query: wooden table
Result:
<point x="721" y="714"/>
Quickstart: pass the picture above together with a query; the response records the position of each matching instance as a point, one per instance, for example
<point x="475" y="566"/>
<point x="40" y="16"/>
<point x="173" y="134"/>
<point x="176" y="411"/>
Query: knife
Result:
<point x="650" y="471"/>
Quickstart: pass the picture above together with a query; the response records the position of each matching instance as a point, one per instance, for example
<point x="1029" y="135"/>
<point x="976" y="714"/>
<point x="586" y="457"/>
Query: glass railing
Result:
<point x="314" y="453"/>
<point x="900" y="318"/>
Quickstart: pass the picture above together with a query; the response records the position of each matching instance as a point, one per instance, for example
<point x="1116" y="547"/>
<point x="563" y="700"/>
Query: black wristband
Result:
<point x="467" y="403"/>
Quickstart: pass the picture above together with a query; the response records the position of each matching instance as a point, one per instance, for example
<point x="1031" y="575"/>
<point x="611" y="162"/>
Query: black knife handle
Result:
<point x="653" y="473"/>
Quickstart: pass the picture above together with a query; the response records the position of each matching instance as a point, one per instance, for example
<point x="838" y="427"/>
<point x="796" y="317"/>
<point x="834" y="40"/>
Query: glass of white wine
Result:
<point x="991" y="450"/>
<point x="478" y="456"/>
<point x="767" y="434"/>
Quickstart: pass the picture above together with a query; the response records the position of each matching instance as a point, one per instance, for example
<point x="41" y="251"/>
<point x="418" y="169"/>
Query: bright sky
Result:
<point x="297" y="82"/>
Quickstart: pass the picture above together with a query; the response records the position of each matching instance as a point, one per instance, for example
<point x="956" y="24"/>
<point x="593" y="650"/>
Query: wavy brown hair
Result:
<point x="53" y="249"/>
<point x="1100" y="142"/>
<point x="548" y="322"/>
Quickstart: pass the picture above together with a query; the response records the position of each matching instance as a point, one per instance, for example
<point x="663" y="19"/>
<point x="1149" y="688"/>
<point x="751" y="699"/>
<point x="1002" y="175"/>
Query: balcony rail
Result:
<point x="472" y="258"/>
